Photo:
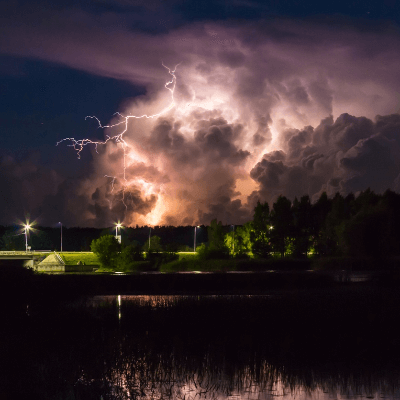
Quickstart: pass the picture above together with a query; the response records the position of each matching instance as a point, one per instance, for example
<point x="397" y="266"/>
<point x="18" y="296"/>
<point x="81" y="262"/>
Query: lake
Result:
<point x="301" y="345"/>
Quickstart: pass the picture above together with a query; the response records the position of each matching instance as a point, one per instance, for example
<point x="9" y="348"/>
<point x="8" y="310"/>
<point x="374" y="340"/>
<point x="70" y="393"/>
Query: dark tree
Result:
<point x="13" y="239"/>
<point x="216" y="242"/>
<point x="331" y="234"/>
<point x="260" y="234"/>
<point x="302" y="226"/>
<point x="128" y="256"/>
<point x="320" y="211"/>
<point x="282" y="224"/>
<point x="367" y="233"/>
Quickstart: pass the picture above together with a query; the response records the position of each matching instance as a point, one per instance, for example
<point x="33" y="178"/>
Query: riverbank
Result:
<point x="29" y="285"/>
<point x="190" y="262"/>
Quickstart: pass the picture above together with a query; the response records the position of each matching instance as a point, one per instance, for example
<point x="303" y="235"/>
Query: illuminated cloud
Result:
<point x="345" y="155"/>
<point x="261" y="109"/>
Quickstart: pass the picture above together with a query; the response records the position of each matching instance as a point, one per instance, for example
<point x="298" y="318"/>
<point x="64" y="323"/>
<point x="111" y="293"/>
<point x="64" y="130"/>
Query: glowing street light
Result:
<point x="61" y="236"/>
<point x="118" y="226"/>
<point x="27" y="227"/>
<point x="194" y="247"/>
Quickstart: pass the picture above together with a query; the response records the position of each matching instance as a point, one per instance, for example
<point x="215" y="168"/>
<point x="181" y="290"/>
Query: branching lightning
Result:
<point x="79" y="144"/>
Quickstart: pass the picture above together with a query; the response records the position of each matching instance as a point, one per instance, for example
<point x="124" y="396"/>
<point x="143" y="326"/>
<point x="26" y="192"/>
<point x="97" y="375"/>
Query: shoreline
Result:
<point x="67" y="285"/>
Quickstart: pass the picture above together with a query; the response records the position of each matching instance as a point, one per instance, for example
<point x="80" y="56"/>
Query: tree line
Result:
<point x="172" y="238"/>
<point x="366" y="225"/>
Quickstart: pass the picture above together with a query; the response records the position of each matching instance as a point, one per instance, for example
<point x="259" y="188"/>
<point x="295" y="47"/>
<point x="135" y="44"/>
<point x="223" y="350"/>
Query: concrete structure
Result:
<point x="54" y="263"/>
<point x="26" y="258"/>
<point x="50" y="263"/>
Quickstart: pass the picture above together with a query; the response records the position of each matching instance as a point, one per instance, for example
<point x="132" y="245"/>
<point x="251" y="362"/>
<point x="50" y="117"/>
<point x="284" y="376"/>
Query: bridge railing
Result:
<point x="17" y="253"/>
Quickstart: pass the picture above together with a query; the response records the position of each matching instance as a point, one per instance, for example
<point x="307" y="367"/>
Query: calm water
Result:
<point x="294" y="346"/>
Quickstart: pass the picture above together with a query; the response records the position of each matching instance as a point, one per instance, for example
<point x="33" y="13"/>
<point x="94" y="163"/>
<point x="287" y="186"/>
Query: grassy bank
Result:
<point x="285" y="264"/>
<point x="72" y="258"/>
<point x="196" y="264"/>
<point x="189" y="262"/>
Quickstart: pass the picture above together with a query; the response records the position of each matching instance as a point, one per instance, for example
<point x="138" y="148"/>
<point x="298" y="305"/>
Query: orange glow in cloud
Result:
<point x="203" y="98"/>
<point x="202" y="147"/>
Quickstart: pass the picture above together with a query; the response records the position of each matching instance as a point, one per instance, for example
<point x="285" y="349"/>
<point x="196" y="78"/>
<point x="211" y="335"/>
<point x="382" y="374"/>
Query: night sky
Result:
<point x="270" y="98"/>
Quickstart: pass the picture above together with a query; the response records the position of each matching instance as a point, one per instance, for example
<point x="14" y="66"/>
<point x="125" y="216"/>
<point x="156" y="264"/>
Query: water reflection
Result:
<point x="204" y="347"/>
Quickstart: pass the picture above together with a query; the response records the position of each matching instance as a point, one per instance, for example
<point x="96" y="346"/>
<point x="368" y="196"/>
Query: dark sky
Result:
<point x="271" y="98"/>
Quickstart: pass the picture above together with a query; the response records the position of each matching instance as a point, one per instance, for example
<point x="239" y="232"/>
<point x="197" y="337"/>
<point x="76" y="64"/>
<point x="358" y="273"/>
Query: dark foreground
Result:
<point x="289" y="334"/>
<point x="337" y="341"/>
<point x="31" y="285"/>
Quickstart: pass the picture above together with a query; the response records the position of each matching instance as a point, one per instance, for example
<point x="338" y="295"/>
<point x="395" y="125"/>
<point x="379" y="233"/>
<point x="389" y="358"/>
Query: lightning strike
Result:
<point x="79" y="144"/>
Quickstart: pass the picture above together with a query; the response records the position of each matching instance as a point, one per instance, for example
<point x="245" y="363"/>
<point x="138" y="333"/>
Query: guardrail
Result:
<point x="16" y="253"/>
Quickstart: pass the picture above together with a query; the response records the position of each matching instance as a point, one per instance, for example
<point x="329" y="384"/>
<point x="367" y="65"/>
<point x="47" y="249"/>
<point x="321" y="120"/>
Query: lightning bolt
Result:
<point x="79" y="144"/>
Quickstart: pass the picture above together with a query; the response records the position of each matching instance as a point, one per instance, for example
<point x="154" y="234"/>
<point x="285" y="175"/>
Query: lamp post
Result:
<point x="118" y="226"/>
<point x="27" y="227"/>
<point x="61" y="236"/>
<point x="194" y="247"/>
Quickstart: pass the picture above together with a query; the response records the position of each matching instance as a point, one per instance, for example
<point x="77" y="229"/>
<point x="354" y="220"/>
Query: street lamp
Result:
<point x="118" y="226"/>
<point x="61" y="235"/>
<point x="194" y="247"/>
<point x="27" y="227"/>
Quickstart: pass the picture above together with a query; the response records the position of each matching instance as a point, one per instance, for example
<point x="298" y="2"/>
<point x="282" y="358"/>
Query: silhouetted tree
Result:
<point x="260" y="233"/>
<point x="367" y="234"/>
<point x="13" y="239"/>
<point x="282" y="224"/>
<point x="391" y="202"/>
<point x="320" y="211"/>
<point x="302" y="225"/>
<point x="216" y="247"/>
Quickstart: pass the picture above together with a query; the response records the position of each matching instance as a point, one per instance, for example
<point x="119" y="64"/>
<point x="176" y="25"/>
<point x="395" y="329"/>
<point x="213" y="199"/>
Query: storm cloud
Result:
<point x="260" y="109"/>
<point x="345" y="155"/>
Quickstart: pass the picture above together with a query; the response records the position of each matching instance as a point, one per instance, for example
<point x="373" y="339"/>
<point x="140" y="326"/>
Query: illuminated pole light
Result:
<point x="118" y="237"/>
<point x="194" y="247"/>
<point x="61" y="236"/>
<point x="27" y="227"/>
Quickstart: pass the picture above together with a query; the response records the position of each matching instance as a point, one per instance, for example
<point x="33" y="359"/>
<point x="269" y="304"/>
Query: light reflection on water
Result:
<point x="335" y="344"/>
<point x="159" y="361"/>
<point x="164" y="301"/>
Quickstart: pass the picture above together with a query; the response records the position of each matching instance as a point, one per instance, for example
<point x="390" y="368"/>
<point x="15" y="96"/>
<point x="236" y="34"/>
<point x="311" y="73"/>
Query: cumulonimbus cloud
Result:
<point x="261" y="109"/>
